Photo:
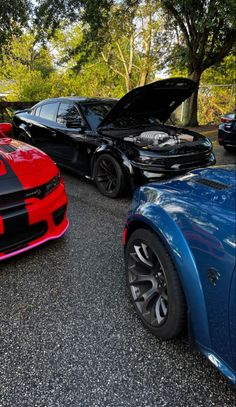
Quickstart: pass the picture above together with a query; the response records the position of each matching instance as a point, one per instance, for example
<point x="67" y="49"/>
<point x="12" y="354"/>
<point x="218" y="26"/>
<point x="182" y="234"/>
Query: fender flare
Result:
<point x="115" y="153"/>
<point x="158" y="220"/>
<point x="23" y="127"/>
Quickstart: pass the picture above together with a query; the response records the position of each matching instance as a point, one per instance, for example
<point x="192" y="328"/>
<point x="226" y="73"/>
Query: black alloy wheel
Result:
<point x="108" y="176"/>
<point x="154" y="285"/>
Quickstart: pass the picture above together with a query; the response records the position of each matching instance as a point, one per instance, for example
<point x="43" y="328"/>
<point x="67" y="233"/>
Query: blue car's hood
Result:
<point x="214" y="187"/>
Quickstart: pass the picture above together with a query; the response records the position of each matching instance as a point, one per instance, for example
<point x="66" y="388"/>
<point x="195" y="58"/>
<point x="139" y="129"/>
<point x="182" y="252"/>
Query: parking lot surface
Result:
<point x="69" y="334"/>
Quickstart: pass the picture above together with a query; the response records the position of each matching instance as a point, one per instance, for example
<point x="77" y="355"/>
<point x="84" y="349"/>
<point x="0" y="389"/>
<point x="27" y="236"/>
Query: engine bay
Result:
<point x="160" y="138"/>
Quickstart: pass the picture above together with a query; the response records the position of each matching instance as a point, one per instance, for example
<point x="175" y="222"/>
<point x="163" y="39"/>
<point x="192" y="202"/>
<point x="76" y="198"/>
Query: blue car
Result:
<point x="180" y="244"/>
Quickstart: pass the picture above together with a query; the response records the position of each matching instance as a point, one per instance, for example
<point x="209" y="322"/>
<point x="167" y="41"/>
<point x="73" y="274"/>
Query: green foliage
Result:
<point x="222" y="73"/>
<point x="213" y="103"/>
<point x="204" y="35"/>
<point x="30" y="71"/>
<point x="13" y="16"/>
<point x="104" y="48"/>
<point x="23" y="69"/>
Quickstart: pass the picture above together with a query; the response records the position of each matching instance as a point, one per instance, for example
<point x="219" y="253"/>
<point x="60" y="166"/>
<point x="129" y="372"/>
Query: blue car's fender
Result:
<point x="161" y="223"/>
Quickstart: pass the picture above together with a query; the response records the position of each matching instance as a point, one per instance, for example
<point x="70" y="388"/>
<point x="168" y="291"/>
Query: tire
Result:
<point x="227" y="148"/>
<point x="108" y="176"/>
<point x="24" y="137"/>
<point x="154" y="285"/>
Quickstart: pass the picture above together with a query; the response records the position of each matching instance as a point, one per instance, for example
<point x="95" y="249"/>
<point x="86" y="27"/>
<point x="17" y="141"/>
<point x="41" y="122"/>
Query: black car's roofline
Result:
<point x="76" y="99"/>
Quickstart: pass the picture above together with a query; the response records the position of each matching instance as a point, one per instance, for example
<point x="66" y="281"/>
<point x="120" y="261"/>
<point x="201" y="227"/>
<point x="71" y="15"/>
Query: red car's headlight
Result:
<point x="52" y="184"/>
<point x="45" y="189"/>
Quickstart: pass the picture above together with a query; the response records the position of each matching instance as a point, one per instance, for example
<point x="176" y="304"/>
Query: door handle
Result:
<point x="53" y="133"/>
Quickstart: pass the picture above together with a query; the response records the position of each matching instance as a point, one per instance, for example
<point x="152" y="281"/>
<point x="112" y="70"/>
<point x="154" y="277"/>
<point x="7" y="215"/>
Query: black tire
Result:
<point x="108" y="176"/>
<point x="24" y="137"/>
<point x="227" y="148"/>
<point x="154" y="285"/>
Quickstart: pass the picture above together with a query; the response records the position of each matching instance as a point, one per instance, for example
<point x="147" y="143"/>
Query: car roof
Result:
<point x="77" y="99"/>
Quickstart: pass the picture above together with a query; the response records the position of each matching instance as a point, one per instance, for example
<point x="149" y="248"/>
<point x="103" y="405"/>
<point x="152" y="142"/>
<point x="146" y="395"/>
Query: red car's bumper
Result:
<point x="46" y="220"/>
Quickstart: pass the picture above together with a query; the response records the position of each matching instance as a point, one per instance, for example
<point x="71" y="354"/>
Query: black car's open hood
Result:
<point x="159" y="99"/>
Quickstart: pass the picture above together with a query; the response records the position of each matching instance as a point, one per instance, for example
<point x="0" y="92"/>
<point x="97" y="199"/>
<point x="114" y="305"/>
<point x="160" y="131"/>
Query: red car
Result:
<point x="33" y="201"/>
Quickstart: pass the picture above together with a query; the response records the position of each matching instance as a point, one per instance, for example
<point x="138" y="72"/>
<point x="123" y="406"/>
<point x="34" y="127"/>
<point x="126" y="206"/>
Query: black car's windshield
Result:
<point x="95" y="112"/>
<point x="134" y="119"/>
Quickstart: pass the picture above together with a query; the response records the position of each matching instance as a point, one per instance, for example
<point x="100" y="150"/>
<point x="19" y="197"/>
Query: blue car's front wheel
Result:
<point x="154" y="285"/>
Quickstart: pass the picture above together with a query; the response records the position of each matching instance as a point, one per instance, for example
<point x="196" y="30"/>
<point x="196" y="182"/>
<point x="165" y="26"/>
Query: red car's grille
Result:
<point x="20" y="196"/>
<point x="38" y="192"/>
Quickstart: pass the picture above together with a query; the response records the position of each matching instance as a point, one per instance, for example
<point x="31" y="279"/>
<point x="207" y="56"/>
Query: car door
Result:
<point x="43" y="127"/>
<point x="72" y="139"/>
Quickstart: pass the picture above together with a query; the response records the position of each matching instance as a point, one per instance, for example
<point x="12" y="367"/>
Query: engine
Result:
<point x="160" y="138"/>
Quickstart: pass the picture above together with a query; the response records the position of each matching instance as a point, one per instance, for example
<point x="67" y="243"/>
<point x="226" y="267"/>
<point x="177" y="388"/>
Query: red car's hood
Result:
<point x="31" y="166"/>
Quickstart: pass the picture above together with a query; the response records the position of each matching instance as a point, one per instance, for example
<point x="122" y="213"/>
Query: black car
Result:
<point x="121" y="143"/>
<point x="227" y="131"/>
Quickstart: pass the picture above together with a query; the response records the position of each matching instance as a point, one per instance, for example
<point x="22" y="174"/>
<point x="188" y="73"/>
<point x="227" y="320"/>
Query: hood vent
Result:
<point x="211" y="184"/>
<point x="7" y="149"/>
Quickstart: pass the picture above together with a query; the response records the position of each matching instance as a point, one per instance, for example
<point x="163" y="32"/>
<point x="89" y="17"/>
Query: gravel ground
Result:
<point x="69" y="334"/>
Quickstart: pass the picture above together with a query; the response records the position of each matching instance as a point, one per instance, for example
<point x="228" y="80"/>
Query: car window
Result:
<point x="95" y="112"/>
<point x="67" y="112"/>
<point x="48" y="111"/>
<point x="37" y="111"/>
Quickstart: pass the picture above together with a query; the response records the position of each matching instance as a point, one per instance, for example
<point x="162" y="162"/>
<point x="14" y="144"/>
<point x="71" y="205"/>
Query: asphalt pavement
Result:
<point x="69" y="334"/>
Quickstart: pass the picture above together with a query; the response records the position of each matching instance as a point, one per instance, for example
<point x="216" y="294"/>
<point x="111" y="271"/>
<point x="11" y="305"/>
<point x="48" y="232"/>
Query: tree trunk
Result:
<point x="128" y="83"/>
<point x="147" y="41"/>
<point x="191" y="104"/>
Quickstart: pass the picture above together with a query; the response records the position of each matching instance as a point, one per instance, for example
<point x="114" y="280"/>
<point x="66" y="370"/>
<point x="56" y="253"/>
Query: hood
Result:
<point x="31" y="166"/>
<point x="213" y="188"/>
<point x="156" y="100"/>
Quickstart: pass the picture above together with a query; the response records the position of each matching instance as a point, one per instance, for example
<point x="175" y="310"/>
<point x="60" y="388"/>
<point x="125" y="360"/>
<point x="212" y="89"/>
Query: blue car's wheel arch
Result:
<point x="157" y="220"/>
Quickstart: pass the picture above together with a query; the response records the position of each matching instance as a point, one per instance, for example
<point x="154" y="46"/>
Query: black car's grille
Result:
<point x="19" y="240"/>
<point x="177" y="163"/>
<point x="186" y="159"/>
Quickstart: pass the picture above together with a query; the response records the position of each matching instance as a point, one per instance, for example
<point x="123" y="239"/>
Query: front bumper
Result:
<point x="171" y="166"/>
<point x="46" y="220"/>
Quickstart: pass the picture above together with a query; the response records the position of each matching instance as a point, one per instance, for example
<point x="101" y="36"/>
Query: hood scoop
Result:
<point x="212" y="184"/>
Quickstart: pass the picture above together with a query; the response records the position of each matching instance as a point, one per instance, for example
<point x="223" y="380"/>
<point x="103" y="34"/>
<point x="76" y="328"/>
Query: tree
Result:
<point x="25" y="68"/>
<point x="131" y="51"/>
<point x="205" y="34"/>
<point x="53" y="14"/>
<point x="13" y="16"/>
<point x="93" y="78"/>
